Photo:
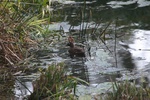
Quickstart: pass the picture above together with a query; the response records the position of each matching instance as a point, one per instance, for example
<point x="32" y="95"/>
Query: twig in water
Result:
<point x="22" y="84"/>
<point x="115" y="45"/>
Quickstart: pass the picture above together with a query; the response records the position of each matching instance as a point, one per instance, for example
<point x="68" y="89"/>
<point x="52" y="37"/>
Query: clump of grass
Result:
<point x="128" y="91"/>
<point x="54" y="84"/>
<point x="16" y="24"/>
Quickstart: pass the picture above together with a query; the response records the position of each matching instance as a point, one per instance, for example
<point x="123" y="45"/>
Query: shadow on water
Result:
<point x="126" y="59"/>
<point x="77" y="68"/>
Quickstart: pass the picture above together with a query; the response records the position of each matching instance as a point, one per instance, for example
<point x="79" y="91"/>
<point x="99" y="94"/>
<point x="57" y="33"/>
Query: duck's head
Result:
<point x="70" y="42"/>
<point x="70" y="39"/>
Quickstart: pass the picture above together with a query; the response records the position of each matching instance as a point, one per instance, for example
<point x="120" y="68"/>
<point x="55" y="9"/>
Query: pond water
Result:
<point x="124" y="55"/>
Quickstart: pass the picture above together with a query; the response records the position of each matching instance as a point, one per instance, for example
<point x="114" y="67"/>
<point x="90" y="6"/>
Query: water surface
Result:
<point x="124" y="56"/>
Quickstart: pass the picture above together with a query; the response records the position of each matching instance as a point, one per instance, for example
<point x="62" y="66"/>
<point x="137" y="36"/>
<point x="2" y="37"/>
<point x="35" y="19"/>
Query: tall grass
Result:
<point x="128" y="91"/>
<point x="54" y="84"/>
<point x="17" y="21"/>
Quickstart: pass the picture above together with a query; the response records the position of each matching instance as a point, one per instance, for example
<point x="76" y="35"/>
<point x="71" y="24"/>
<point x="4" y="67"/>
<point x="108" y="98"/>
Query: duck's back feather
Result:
<point x="76" y="51"/>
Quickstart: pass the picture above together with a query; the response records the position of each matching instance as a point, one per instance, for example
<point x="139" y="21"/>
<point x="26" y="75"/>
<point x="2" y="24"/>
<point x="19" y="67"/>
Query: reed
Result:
<point x="17" y="22"/>
<point x="128" y="91"/>
<point x="55" y="84"/>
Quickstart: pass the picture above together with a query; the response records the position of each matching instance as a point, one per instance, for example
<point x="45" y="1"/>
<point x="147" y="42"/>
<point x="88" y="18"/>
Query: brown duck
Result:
<point x="75" y="50"/>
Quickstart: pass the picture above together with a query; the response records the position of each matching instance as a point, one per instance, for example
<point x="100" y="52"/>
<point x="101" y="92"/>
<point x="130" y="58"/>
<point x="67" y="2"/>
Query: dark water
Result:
<point x="124" y="55"/>
<point x="127" y="18"/>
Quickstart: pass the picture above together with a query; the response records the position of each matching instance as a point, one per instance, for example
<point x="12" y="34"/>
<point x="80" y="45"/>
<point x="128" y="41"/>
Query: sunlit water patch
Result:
<point x="136" y="57"/>
<point x="23" y="86"/>
<point x="141" y="45"/>
<point x="66" y="26"/>
<point x="100" y="68"/>
<point x="119" y="4"/>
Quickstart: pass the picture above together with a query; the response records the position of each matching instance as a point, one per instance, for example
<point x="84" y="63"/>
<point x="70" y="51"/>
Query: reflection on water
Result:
<point x="126" y="59"/>
<point x="23" y="88"/>
<point x="141" y="44"/>
<point x="136" y="57"/>
<point x="79" y="71"/>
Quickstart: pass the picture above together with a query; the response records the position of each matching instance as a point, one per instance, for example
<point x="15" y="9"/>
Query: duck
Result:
<point x="75" y="50"/>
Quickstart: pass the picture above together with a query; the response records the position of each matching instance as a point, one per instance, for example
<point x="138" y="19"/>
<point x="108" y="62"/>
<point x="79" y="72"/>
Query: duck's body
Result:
<point x="75" y="50"/>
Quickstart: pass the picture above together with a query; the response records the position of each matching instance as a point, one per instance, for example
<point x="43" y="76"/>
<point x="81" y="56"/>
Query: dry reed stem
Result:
<point x="9" y="49"/>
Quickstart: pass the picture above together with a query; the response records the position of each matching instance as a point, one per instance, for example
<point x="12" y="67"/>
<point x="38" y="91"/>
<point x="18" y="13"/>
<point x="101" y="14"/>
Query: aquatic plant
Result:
<point x="128" y="91"/>
<point x="55" y="84"/>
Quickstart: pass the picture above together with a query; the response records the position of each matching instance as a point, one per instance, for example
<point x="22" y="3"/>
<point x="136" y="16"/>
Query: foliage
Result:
<point x="128" y="91"/>
<point x="16" y="23"/>
<point x="54" y="84"/>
